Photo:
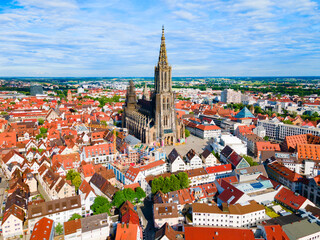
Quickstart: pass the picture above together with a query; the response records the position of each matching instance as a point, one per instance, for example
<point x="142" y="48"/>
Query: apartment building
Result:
<point x="278" y="130"/>
<point x="99" y="153"/>
<point x="311" y="190"/>
<point x="238" y="215"/>
<point x="12" y="222"/>
<point x="59" y="210"/>
<point x="230" y="96"/>
<point x="166" y="213"/>
<point x="284" y="175"/>
<point x="95" y="227"/>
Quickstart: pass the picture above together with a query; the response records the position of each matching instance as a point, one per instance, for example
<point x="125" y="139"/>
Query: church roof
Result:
<point x="244" y="113"/>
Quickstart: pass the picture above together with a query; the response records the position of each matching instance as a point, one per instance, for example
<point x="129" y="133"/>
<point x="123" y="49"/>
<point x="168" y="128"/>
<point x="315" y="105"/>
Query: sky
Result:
<point x="121" y="38"/>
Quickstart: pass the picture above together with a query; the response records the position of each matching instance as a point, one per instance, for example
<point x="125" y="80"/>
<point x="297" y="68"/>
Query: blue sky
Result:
<point x="122" y="37"/>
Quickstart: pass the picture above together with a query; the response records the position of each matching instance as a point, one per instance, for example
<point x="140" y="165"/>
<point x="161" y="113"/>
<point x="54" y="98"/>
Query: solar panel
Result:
<point x="256" y="185"/>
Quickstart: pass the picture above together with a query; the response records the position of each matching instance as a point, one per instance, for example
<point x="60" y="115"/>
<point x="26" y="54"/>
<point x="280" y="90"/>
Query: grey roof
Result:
<point x="226" y="151"/>
<point x="173" y="155"/>
<point x="300" y="229"/>
<point x="252" y="169"/>
<point x="132" y="140"/>
<point x="205" y="153"/>
<point x="94" y="222"/>
<point x="284" y="220"/>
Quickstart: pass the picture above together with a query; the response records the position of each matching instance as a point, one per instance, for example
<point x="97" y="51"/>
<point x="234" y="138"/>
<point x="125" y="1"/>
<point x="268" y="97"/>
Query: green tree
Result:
<point x="250" y="160"/>
<point x="100" y="205"/>
<point x="75" y="216"/>
<point x="40" y="121"/>
<point x="257" y="109"/>
<point x="287" y="122"/>
<point x="140" y="193"/>
<point x="175" y="183"/>
<point x="184" y="180"/>
<point x="129" y="194"/>
<point x="76" y="181"/>
<point x="118" y="199"/>
<point x="187" y="133"/>
<point x="104" y="123"/>
<point x="72" y="174"/>
<point x="216" y="154"/>
<point x="167" y="185"/>
<point x="266" y="138"/>
<point x="39" y="136"/>
<point x="155" y="185"/>
<point x="59" y="229"/>
<point x="43" y="130"/>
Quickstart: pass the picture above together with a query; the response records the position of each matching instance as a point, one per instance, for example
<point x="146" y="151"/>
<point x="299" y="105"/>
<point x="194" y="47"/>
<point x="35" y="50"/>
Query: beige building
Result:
<point x="166" y="213"/>
<point x="59" y="210"/>
<point x="234" y="215"/>
<point x="12" y="222"/>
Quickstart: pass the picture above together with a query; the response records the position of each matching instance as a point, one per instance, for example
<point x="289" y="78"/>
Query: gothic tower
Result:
<point x="165" y="118"/>
<point x="131" y="97"/>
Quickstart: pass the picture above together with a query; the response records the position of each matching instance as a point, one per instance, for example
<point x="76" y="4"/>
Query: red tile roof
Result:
<point x="220" y="168"/>
<point x="126" y="231"/>
<point x="267" y="146"/>
<point x="42" y="229"/>
<point x="217" y="233"/>
<point x="275" y="232"/>
<point x="230" y="193"/>
<point x="284" y="171"/>
<point x="290" y="198"/>
<point x="207" y="127"/>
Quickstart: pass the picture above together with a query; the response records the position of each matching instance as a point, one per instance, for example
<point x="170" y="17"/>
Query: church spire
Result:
<point x="163" y="60"/>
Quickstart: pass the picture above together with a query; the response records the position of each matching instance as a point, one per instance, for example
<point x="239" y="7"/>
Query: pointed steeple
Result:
<point x="163" y="60"/>
<point x="145" y="92"/>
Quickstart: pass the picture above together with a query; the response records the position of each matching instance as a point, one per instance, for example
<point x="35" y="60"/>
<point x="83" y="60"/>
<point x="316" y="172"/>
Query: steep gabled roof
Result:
<point x="173" y="155"/>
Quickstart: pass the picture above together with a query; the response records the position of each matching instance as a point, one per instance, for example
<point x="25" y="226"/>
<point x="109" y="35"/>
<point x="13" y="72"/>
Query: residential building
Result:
<point x="43" y="229"/>
<point x="311" y="190"/>
<point x="228" y="155"/>
<point x="292" y="200"/>
<point x="96" y="227"/>
<point x="284" y="175"/>
<point x="102" y="186"/>
<point x="218" y="233"/>
<point x="59" y="210"/>
<point x="207" y="131"/>
<point x="193" y="160"/>
<point x="209" y="159"/>
<point x="12" y="222"/>
<point x="230" y="96"/>
<point x="176" y="162"/>
<point x="99" y="153"/>
<point x="232" y="215"/>
<point x="166" y="213"/>
<point x="279" y="130"/>
<point x="128" y="231"/>
<point x="224" y="140"/>
<point x="166" y="232"/>
<point x="271" y="232"/>
<point x="72" y="230"/>
<point x="266" y="146"/>
<point x="87" y="195"/>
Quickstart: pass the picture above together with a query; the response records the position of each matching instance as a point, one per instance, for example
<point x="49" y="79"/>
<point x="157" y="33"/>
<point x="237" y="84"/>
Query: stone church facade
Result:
<point x="154" y="120"/>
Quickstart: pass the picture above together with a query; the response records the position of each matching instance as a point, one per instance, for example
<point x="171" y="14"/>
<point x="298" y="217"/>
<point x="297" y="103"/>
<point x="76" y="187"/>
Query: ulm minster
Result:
<point x="153" y="119"/>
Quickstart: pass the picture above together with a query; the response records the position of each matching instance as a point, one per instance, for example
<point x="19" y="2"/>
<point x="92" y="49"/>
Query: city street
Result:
<point x="147" y="210"/>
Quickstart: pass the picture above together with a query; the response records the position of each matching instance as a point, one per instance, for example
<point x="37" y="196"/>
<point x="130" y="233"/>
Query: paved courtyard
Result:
<point x="192" y="142"/>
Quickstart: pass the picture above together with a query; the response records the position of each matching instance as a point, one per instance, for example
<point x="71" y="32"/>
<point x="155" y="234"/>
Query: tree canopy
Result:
<point x="172" y="183"/>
